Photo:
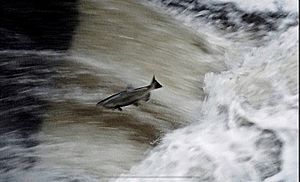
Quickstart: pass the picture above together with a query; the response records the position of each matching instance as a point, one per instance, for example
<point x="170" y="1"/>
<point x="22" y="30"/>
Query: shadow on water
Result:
<point x="28" y="26"/>
<point x="138" y="130"/>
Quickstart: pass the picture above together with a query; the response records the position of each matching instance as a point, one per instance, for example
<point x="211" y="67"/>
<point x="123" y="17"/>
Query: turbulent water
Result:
<point x="228" y="109"/>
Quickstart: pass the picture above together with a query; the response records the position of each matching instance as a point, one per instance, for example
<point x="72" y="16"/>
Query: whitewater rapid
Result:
<point x="247" y="126"/>
<point x="228" y="109"/>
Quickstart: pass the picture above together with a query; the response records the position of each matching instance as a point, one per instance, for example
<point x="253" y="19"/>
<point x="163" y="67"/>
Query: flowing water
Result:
<point x="228" y="109"/>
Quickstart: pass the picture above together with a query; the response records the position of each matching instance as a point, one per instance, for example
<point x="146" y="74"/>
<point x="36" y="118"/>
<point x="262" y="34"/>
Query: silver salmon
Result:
<point x="129" y="96"/>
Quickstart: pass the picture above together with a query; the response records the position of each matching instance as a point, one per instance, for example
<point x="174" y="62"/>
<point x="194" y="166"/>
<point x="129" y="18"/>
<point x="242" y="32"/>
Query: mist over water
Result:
<point x="228" y="109"/>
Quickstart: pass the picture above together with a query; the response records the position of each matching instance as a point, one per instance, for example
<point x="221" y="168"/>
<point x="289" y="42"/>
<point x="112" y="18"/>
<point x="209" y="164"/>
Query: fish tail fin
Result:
<point x="154" y="84"/>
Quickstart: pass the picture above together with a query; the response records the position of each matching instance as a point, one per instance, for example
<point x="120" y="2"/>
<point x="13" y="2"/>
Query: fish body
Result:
<point x="129" y="96"/>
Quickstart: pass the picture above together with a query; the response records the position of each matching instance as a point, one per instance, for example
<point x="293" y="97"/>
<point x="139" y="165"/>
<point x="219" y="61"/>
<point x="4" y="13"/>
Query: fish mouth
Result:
<point x="100" y="104"/>
<point x="103" y="106"/>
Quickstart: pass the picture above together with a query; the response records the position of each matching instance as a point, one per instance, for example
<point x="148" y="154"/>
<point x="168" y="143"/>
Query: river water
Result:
<point x="228" y="109"/>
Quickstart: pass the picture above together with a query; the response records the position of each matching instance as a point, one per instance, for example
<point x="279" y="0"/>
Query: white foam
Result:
<point x="266" y="5"/>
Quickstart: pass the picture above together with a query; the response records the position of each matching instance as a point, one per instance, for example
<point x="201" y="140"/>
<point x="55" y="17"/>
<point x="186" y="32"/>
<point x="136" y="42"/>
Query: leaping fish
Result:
<point x="129" y="96"/>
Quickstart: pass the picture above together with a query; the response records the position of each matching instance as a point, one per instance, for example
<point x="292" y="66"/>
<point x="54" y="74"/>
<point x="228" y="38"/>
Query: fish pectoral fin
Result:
<point x="119" y="108"/>
<point x="146" y="97"/>
<point x="136" y="103"/>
